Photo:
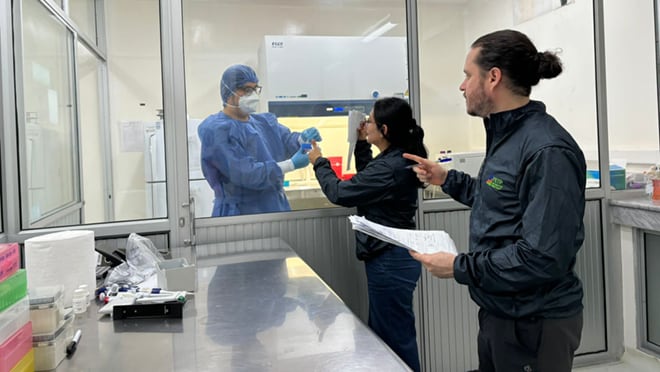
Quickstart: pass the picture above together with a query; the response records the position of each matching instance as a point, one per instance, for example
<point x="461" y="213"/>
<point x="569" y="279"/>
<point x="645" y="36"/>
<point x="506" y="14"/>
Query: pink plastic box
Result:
<point x="15" y="347"/>
<point x="9" y="257"/>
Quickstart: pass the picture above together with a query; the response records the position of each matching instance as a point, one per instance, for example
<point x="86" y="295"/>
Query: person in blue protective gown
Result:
<point x="244" y="155"/>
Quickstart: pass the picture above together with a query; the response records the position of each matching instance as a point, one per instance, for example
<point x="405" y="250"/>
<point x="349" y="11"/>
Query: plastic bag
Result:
<point x="141" y="259"/>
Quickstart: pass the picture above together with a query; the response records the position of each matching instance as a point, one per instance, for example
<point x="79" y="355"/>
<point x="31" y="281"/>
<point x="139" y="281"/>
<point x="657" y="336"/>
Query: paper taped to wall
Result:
<point x="422" y="241"/>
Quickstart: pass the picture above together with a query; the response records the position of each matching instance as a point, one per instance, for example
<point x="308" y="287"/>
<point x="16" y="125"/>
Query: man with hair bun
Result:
<point x="526" y="223"/>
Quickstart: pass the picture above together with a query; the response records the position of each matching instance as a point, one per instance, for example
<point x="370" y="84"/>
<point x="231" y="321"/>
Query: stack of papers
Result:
<point x="422" y="241"/>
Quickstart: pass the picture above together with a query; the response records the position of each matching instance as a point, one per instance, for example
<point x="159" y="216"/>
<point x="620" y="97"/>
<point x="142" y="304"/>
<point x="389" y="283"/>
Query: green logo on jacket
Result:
<point x="495" y="183"/>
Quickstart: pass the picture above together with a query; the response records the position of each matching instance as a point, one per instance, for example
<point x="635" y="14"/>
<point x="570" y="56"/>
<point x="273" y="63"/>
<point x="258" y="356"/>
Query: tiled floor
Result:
<point x="630" y="362"/>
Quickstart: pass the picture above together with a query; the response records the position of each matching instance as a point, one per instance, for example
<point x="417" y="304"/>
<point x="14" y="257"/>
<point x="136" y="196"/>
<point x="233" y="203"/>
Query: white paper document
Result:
<point x="354" y="119"/>
<point x="422" y="241"/>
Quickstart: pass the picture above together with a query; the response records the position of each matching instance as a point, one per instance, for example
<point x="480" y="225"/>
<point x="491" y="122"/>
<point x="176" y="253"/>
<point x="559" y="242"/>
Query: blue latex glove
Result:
<point x="310" y="134"/>
<point x="300" y="159"/>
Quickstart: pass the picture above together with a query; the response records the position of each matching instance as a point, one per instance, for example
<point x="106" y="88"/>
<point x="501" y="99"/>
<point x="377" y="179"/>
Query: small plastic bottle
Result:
<point x="656" y="183"/>
<point x="79" y="301"/>
<point x="649" y="176"/>
<point x="84" y="287"/>
<point x="648" y="189"/>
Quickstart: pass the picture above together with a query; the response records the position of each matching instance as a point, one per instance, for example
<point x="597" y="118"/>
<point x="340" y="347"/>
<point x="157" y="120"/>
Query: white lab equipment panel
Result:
<point x="468" y="162"/>
<point x="332" y="68"/>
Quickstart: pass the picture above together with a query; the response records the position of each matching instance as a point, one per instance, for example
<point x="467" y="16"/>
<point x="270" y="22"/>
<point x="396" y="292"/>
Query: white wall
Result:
<point x="632" y="107"/>
<point x="446" y="34"/>
<point x="442" y="48"/>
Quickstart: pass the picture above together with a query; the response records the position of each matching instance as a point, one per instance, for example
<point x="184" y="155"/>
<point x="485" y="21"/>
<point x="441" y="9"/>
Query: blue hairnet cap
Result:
<point x="234" y="77"/>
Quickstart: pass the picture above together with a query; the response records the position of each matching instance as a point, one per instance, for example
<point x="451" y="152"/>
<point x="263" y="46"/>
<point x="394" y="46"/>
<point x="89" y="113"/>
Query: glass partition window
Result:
<point x="446" y="31"/>
<point x="83" y="13"/>
<point x="49" y="157"/>
<point x="112" y="106"/>
<point x="315" y="61"/>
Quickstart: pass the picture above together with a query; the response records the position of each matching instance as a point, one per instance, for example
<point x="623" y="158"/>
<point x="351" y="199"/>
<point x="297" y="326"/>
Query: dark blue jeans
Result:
<point x="391" y="278"/>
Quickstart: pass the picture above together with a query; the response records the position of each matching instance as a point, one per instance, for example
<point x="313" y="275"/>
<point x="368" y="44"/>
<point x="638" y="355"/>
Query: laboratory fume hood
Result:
<point x="320" y="76"/>
<point x="316" y="81"/>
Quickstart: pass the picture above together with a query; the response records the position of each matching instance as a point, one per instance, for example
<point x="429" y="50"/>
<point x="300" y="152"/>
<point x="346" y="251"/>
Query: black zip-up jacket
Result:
<point x="383" y="190"/>
<point x="526" y="223"/>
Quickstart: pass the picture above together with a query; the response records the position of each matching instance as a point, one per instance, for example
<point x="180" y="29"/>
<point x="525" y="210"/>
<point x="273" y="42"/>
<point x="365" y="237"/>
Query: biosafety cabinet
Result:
<point x="332" y="68"/>
<point x="316" y="81"/>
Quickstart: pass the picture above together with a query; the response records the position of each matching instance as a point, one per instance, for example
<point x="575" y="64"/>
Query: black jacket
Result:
<point x="383" y="190"/>
<point x="526" y="224"/>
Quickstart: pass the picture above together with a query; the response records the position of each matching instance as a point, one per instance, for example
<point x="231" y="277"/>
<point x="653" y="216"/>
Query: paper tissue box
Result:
<point x="176" y="275"/>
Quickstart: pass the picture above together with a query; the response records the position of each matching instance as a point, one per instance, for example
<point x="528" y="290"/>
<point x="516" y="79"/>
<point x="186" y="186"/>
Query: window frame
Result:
<point x="68" y="207"/>
<point x="642" y="293"/>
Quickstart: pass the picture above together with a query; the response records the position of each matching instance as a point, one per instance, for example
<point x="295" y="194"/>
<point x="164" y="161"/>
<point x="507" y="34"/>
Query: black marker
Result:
<point x="71" y="348"/>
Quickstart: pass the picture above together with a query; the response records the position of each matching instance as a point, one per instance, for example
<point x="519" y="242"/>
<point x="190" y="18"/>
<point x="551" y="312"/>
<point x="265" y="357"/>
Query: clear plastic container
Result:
<point x="50" y="348"/>
<point x="15" y="347"/>
<point x="14" y="318"/>
<point x="26" y="364"/>
<point x="46" y="308"/>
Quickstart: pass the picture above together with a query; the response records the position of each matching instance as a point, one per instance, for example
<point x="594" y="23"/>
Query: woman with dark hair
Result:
<point x="384" y="190"/>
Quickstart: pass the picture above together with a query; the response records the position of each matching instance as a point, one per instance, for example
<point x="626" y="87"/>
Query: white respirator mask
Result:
<point x="249" y="104"/>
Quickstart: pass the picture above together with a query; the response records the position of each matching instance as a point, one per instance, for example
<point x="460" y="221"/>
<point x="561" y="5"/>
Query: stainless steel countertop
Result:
<point x="263" y="311"/>
<point x="636" y="211"/>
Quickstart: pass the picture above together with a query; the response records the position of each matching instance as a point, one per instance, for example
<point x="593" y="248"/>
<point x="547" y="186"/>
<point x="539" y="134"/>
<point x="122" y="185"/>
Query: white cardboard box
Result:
<point x="176" y="275"/>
